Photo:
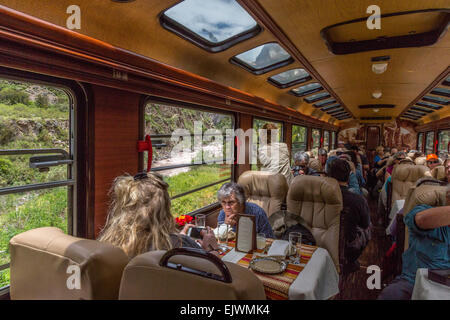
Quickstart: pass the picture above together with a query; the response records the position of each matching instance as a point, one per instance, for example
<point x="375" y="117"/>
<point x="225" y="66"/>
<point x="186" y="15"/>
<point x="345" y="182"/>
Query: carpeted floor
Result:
<point x="354" y="286"/>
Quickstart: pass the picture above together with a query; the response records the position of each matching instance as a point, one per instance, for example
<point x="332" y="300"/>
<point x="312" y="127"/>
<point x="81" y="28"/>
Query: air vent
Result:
<point x="377" y="106"/>
<point x="381" y="58"/>
<point x="376" y="118"/>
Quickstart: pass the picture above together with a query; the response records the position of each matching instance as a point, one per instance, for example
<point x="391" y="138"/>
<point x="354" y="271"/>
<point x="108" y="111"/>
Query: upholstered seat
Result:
<point x="421" y="161"/>
<point x="404" y="177"/>
<point x="267" y="190"/>
<point x="439" y="173"/>
<point x="145" y="279"/>
<point x="318" y="200"/>
<point x="45" y="264"/>
<point x="315" y="165"/>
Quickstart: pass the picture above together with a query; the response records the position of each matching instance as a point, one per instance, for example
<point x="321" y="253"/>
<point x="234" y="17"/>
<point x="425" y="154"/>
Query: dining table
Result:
<point x="314" y="278"/>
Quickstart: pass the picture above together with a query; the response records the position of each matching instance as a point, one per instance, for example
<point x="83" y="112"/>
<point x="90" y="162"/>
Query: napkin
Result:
<point x="279" y="248"/>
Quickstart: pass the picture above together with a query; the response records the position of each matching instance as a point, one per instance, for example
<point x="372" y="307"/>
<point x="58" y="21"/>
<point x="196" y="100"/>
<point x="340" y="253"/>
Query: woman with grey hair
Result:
<point x="301" y="162"/>
<point x="232" y="198"/>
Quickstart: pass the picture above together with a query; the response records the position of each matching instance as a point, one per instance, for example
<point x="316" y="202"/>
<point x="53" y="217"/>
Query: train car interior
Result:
<point x="244" y="149"/>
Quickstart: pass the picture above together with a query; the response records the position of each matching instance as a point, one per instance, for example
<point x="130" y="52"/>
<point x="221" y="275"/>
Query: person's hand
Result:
<point x="186" y="228"/>
<point x="301" y="172"/>
<point x="231" y="220"/>
<point x="209" y="241"/>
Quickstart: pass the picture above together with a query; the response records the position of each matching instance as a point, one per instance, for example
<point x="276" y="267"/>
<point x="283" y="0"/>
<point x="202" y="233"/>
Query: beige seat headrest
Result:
<point x="421" y="161"/>
<point x="266" y="189"/>
<point x="315" y="165"/>
<point x="404" y="177"/>
<point x="318" y="200"/>
<point x="40" y="261"/>
<point x="439" y="173"/>
<point x="145" y="279"/>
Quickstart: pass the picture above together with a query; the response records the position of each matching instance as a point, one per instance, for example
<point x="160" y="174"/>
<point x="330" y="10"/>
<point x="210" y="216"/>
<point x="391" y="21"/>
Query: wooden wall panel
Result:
<point x="116" y="136"/>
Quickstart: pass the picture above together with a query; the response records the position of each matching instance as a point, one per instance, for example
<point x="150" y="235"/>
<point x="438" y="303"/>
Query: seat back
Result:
<point x="421" y="161"/>
<point x="404" y="176"/>
<point x="315" y="165"/>
<point x="431" y="195"/>
<point x="318" y="200"/>
<point x="439" y="173"/>
<point x="147" y="278"/>
<point x="48" y="264"/>
<point x="267" y="190"/>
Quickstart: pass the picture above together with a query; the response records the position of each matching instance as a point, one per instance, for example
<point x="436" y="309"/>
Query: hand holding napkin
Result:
<point x="279" y="248"/>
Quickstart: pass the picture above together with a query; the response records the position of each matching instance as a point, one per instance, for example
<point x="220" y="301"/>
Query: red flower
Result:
<point x="183" y="219"/>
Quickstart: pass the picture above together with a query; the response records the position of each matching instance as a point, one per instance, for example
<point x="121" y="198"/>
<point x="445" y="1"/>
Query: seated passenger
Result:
<point x="429" y="243"/>
<point x="274" y="156"/>
<point x="139" y="218"/>
<point x="322" y="156"/>
<point x="301" y="161"/>
<point x="232" y="198"/>
<point x="380" y="159"/>
<point x="432" y="161"/>
<point x="353" y="183"/>
<point x="357" y="219"/>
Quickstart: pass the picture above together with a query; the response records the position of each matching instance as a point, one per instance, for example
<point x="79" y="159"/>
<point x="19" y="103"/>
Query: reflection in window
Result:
<point x="213" y="20"/>
<point x="263" y="56"/>
<point x="315" y="138"/>
<point x="194" y="166"/>
<point x="257" y="126"/>
<point x="420" y="142"/>
<point x="290" y="77"/>
<point x="326" y="140"/>
<point x="444" y="143"/>
<point x="306" y="89"/>
<point x="299" y="139"/>
<point x="429" y="147"/>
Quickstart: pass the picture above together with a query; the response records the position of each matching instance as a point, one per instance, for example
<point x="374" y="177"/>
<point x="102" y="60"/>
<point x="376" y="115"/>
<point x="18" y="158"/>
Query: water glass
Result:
<point x="200" y="221"/>
<point x="260" y="241"/>
<point x="295" y="243"/>
<point x="222" y="232"/>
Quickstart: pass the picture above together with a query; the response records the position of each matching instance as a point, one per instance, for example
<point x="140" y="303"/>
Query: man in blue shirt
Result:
<point x="429" y="247"/>
<point x="232" y="198"/>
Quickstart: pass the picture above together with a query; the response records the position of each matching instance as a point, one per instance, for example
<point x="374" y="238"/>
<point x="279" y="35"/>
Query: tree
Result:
<point x="42" y="101"/>
<point x="12" y="96"/>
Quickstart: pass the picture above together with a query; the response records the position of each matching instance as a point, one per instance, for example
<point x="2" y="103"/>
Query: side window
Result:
<point x="299" y="139"/>
<point x="36" y="162"/>
<point x="333" y="140"/>
<point x="444" y="143"/>
<point x="429" y="144"/>
<point x="420" y="142"/>
<point x="192" y="150"/>
<point x="257" y="126"/>
<point x="315" y="139"/>
<point x="326" y="140"/>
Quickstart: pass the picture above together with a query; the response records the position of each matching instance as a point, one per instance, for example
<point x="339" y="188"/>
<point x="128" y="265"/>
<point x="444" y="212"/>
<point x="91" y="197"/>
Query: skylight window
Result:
<point x="317" y="97"/>
<point x="421" y="109"/>
<point x="290" y="78"/>
<point x="334" y="106"/>
<point x="324" y="103"/>
<point x="429" y="105"/>
<point x="307" y="89"/>
<point x="335" y="111"/>
<point x="264" y="58"/>
<point x="441" y="92"/>
<point x="436" y="100"/>
<point x="214" y="25"/>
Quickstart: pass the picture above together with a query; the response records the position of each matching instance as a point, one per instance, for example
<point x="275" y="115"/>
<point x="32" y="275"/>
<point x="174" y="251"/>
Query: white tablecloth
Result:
<point x="425" y="289"/>
<point x="319" y="279"/>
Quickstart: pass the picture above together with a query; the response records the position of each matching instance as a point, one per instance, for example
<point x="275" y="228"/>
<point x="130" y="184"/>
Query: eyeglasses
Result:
<point x="433" y="161"/>
<point x="228" y="203"/>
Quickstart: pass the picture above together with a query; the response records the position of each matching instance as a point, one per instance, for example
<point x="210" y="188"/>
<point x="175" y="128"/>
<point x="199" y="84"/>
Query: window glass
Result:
<point x="263" y="56"/>
<point x="317" y="96"/>
<point x="303" y="90"/>
<point x="420" y="141"/>
<point x="333" y="106"/>
<point x="326" y="140"/>
<point x="290" y="76"/>
<point x="324" y="103"/>
<point x="439" y="91"/>
<point x="315" y="138"/>
<point x="429" y="145"/>
<point x="257" y="126"/>
<point x="444" y="143"/>
<point x="299" y="139"/>
<point x="333" y="140"/>
<point x="35" y="124"/>
<point x="429" y="105"/>
<point x="192" y="150"/>
<point x="213" y="20"/>
<point x="437" y="99"/>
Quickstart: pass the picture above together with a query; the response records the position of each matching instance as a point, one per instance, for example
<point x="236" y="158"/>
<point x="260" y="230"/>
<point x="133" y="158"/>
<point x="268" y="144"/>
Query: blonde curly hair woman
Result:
<point x="139" y="217"/>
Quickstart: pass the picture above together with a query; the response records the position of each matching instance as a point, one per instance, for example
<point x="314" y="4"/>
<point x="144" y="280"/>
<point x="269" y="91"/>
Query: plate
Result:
<point x="268" y="265"/>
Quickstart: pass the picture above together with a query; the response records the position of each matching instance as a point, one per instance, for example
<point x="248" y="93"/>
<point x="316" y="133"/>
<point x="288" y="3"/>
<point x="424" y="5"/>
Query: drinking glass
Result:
<point x="260" y="241"/>
<point x="200" y="221"/>
<point x="223" y="230"/>
<point x="295" y="241"/>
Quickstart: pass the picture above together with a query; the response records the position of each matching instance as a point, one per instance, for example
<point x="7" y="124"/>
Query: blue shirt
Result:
<point x="262" y="223"/>
<point x="376" y="159"/>
<point x="428" y="249"/>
